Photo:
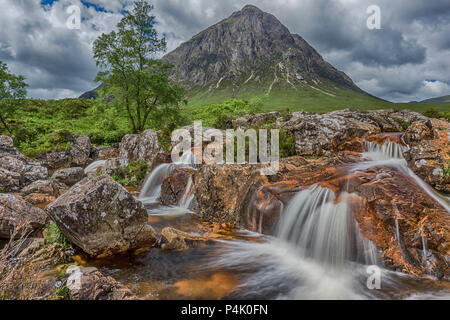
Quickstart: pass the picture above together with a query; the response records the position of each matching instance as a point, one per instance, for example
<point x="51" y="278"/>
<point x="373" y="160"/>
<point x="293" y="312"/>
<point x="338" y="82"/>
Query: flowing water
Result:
<point x="317" y="251"/>
<point x="93" y="167"/>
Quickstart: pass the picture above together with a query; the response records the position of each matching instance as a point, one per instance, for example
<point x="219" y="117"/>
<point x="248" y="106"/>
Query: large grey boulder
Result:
<point x="15" y="170"/>
<point x="79" y="154"/>
<point x="139" y="147"/>
<point x="70" y="176"/>
<point x="16" y="213"/>
<point x="102" y="217"/>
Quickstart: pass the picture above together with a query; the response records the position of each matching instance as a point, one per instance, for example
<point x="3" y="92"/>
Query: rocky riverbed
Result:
<point x="365" y="188"/>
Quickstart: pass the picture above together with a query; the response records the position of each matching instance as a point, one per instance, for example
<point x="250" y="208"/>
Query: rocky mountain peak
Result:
<point x="252" y="49"/>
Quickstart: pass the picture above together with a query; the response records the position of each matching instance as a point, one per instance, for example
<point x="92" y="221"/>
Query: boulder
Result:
<point x="174" y="186"/>
<point x="253" y="120"/>
<point x="15" y="170"/>
<point x="79" y="154"/>
<point x="317" y="135"/>
<point x="70" y="176"/>
<point x="173" y="239"/>
<point x="90" y="284"/>
<point x="139" y="147"/>
<point x="102" y="218"/>
<point x="43" y="191"/>
<point x="161" y="158"/>
<point x="105" y="153"/>
<point x="16" y="213"/>
<point x="429" y="153"/>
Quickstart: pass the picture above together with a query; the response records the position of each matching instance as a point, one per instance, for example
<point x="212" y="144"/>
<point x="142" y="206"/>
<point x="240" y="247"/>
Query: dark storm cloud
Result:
<point x="408" y="59"/>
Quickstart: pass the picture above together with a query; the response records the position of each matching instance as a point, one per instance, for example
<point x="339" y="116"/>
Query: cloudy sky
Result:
<point x="407" y="59"/>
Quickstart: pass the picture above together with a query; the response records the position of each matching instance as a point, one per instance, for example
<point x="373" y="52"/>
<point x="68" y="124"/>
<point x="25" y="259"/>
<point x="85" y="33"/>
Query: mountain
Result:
<point x="252" y="53"/>
<point x="439" y="100"/>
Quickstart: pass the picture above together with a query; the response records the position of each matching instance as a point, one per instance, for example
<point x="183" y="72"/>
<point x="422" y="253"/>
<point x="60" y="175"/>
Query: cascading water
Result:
<point x="151" y="191"/>
<point x="391" y="154"/>
<point x="93" y="167"/>
<point x="319" y="251"/>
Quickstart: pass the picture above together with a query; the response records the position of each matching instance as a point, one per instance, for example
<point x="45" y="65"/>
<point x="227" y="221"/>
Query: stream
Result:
<point x="317" y="251"/>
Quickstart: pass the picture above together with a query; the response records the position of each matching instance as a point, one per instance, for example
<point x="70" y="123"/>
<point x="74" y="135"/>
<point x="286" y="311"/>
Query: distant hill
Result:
<point x="438" y="100"/>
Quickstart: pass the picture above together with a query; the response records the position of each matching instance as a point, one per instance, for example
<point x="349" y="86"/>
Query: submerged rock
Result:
<point x="173" y="239"/>
<point x="18" y="214"/>
<point x="102" y="217"/>
<point x="91" y="284"/>
<point x="70" y="176"/>
<point x="139" y="147"/>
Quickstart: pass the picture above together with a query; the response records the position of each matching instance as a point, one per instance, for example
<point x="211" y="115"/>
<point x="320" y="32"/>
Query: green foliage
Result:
<point x="220" y="115"/>
<point x="62" y="293"/>
<point x="12" y="92"/>
<point x="54" y="235"/>
<point x="133" y="174"/>
<point x="433" y="113"/>
<point x="133" y="76"/>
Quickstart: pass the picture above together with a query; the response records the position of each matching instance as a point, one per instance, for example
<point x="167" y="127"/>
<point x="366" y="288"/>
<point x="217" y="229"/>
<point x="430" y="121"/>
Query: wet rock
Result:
<point x="317" y="135"/>
<point x="242" y="197"/>
<point x="429" y="153"/>
<point x="102" y="217"/>
<point x="174" y="186"/>
<point x="161" y="158"/>
<point x="139" y="147"/>
<point x="79" y="155"/>
<point x="380" y="197"/>
<point x="419" y="131"/>
<point x="173" y="239"/>
<point x="43" y="191"/>
<point x="70" y="176"/>
<point x="15" y="170"/>
<point x="15" y="212"/>
<point x="91" y="284"/>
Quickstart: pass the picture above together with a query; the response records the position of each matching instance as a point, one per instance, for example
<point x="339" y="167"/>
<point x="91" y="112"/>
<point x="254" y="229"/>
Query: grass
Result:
<point x="42" y="126"/>
<point x="133" y="174"/>
<point x="54" y="235"/>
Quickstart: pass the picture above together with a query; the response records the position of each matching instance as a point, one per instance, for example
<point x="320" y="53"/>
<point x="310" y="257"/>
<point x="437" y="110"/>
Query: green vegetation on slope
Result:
<point x="42" y="126"/>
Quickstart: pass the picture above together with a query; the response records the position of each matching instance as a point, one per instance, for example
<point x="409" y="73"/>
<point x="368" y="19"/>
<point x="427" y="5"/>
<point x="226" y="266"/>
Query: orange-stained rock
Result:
<point x="386" y="195"/>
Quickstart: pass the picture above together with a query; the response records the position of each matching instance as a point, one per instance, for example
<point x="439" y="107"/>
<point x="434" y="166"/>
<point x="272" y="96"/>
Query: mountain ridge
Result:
<point x="253" y="50"/>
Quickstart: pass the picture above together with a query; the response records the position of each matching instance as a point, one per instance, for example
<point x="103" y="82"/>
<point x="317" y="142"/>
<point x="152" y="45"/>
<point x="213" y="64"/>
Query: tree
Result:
<point x="132" y="73"/>
<point x="12" y="88"/>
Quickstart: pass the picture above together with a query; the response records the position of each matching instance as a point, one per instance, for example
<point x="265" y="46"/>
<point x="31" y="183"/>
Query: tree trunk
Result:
<point x="5" y="124"/>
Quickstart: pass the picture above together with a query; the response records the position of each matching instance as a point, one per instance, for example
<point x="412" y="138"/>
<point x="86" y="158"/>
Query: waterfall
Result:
<point x="391" y="154"/>
<point x="188" y="195"/>
<point x="387" y="151"/>
<point x="151" y="191"/>
<point x="92" y="168"/>
<point x="322" y="228"/>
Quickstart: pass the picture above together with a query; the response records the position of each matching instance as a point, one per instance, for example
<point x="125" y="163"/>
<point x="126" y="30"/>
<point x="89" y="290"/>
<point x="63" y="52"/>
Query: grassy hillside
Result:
<point x="439" y="100"/>
<point x="320" y="100"/>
